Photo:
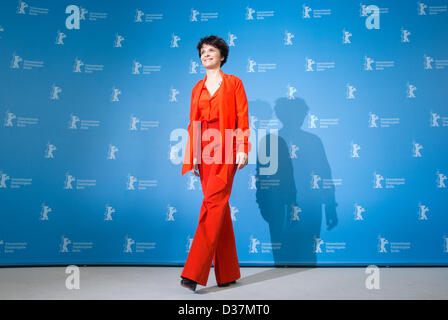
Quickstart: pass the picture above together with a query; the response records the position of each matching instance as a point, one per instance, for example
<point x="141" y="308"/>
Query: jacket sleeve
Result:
<point x="191" y="108"/>
<point x="189" y="155"/>
<point x="194" y="128"/>
<point x="191" y="111"/>
<point x="242" y="117"/>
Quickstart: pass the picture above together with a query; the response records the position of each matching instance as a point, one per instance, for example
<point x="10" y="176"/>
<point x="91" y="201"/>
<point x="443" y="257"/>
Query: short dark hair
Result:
<point x="216" y="42"/>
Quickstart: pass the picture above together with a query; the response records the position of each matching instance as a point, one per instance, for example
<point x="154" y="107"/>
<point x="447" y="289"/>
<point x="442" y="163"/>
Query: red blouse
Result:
<point x="208" y="107"/>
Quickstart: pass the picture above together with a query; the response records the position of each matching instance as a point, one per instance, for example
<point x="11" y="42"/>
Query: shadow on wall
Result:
<point x="293" y="199"/>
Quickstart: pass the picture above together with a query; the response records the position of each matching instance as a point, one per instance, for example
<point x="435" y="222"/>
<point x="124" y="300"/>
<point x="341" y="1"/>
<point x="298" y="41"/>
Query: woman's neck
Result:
<point x="213" y="75"/>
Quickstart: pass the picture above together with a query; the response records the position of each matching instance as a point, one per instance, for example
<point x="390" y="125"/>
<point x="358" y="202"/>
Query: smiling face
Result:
<point x="211" y="57"/>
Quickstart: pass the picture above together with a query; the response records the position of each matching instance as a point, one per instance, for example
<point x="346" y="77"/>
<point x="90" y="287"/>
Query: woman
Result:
<point x="219" y="113"/>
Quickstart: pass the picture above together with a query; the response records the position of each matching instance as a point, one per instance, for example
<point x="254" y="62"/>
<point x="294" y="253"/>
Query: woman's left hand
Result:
<point x="241" y="159"/>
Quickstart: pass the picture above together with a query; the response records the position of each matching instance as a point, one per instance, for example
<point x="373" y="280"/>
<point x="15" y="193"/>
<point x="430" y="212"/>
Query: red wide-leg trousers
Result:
<point x="214" y="239"/>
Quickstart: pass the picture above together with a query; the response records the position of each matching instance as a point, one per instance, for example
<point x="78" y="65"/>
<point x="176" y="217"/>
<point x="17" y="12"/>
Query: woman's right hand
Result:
<point x="195" y="169"/>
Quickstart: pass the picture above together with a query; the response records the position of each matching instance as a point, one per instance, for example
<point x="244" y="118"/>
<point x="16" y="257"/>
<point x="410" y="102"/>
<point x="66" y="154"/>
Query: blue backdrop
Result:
<point x="348" y="115"/>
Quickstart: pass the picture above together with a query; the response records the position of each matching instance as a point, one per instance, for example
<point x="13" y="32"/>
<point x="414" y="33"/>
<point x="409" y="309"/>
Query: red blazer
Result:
<point x="233" y="114"/>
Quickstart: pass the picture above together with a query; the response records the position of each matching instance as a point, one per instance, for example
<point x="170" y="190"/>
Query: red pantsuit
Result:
<point x="214" y="239"/>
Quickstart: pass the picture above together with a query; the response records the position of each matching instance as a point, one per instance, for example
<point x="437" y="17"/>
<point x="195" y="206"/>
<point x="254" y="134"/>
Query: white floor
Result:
<point x="142" y="282"/>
